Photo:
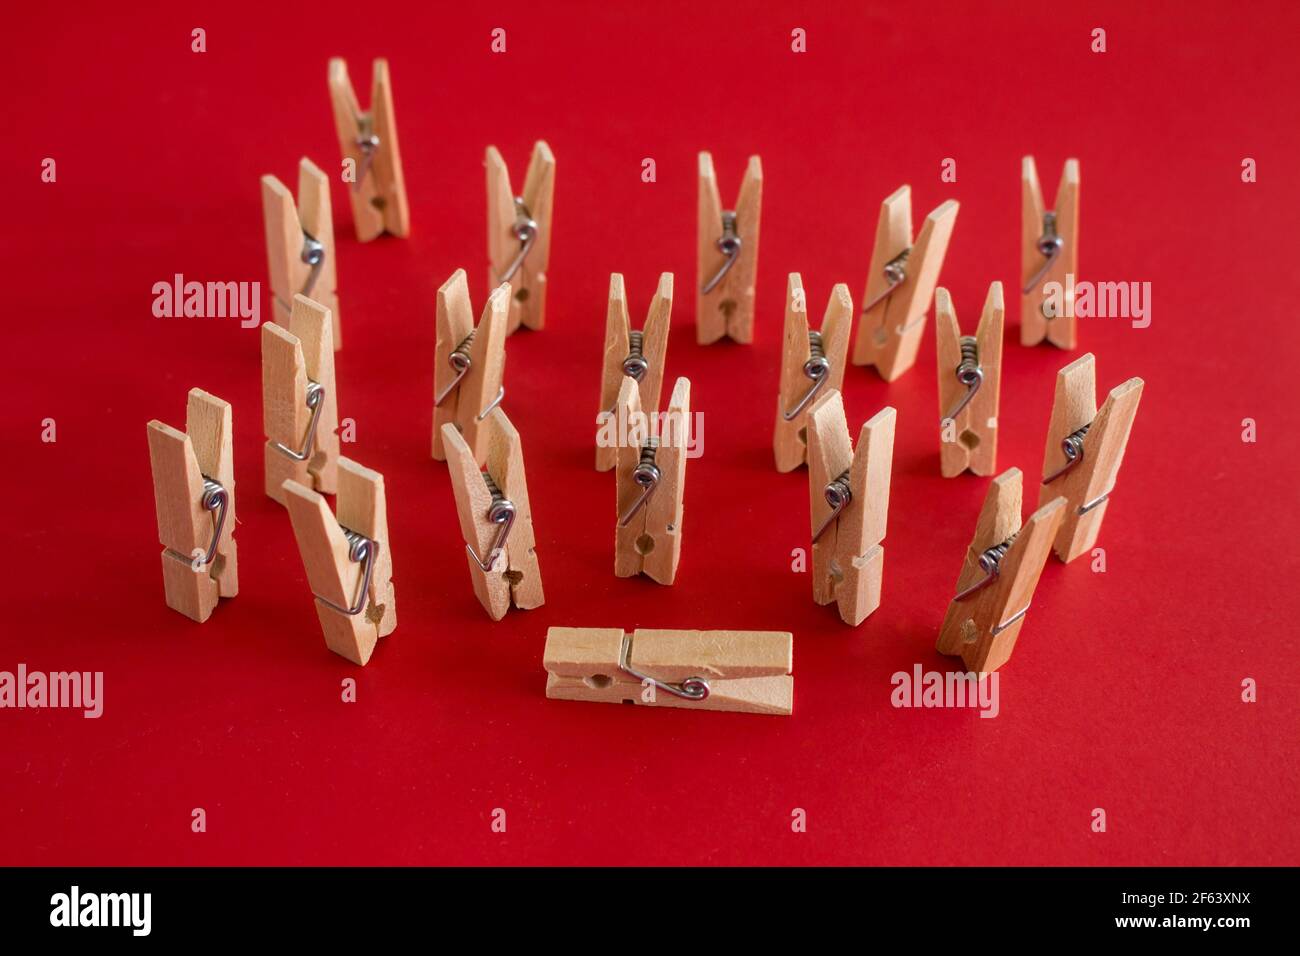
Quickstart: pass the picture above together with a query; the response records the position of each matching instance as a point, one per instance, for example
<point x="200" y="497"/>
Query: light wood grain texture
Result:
<point x="378" y="197"/>
<point x="515" y="578"/>
<point x="528" y="305"/>
<point x="970" y="441"/>
<point x="290" y="359"/>
<point x="287" y="226"/>
<point x="654" y="349"/>
<point x="889" y="336"/>
<point x="464" y="404"/>
<point x="848" y="559"/>
<point x="651" y="542"/>
<point x="331" y="573"/>
<point x="790" y="440"/>
<point x="1035" y="325"/>
<point x="179" y="462"/>
<point x="727" y="310"/>
<point x="1093" y="478"/>
<point x="982" y="627"/>
<point x="747" y="671"/>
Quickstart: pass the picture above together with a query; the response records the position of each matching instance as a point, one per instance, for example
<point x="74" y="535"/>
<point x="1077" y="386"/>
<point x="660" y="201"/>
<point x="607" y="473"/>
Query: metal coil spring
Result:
<point x="646" y="475"/>
<point x="990" y="562"/>
<point x="1072" y="448"/>
<point x="839" y="495"/>
<point x="895" y="274"/>
<point x="817" y="369"/>
<point x="968" y="369"/>
<point x="501" y="512"/>
<point x="635" y="366"/>
<point x="361" y="550"/>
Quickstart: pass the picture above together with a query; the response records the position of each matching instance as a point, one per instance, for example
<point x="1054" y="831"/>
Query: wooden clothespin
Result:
<point x="519" y="234"/>
<point x="469" y="363"/>
<point x="1085" y="448"/>
<point x="901" y="284"/>
<point x="300" y="410"/>
<point x="194" y="495"/>
<point x="300" y="243"/>
<point x="651" y="477"/>
<point x="850" y="505"/>
<point x="742" y="671"/>
<point x="998" y="577"/>
<point x="348" y="560"/>
<point x="638" y="355"/>
<point x="728" y="256"/>
<point x="812" y="363"/>
<point x="970" y="380"/>
<point x="1049" y="244"/>
<point x="369" y="141"/>
<point x="495" y="517"/>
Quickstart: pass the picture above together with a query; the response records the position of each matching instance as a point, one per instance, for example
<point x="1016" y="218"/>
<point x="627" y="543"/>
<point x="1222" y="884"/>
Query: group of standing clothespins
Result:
<point x="346" y="554"/>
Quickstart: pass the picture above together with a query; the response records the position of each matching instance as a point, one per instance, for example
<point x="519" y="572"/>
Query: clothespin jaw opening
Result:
<point x="849" y="496"/>
<point x="728" y="256"/>
<point x="194" y="499"/>
<point x="496" y="518"/>
<point x="812" y="364"/>
<point x="650" y="479"/>
<point x="519" y="234"/>
<point x="348" y="560"/>
<point x="1049" y="257"/>
<point x="1085" y="449"/>
<point x="368" y="141"/>
<point x="300" y="244"/>
<point x="900" y="284"/>
<point x="469" y="363"/>
<point x="740" y="671"/>
<point x="970" y="379"/>
<point x="631" y="354"/>
<point x="299" y="401"/>
<point x="998" y="577"/>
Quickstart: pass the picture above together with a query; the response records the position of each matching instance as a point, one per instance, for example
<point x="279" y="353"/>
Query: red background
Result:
<point x="1124" y="691"/>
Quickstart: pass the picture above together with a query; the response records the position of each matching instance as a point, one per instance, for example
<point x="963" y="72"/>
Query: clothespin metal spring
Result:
<point x="729" y="244"/>
<point x="361" y="550"/>
<point x="991" y="564"/>
<point x="1050" y="246"/>
<point x="693" y="688"/>
<point x="895" y="274"/>
<point x="817" y="369"/>
<point x="501" y="512"/>
<point x="316" y="402"/>
<point x="647" y="476"/>
<point x="525" y="230"/>
<point x="313" y="254"/>
<point x="969" y="373"/>
<point x="214" y="499"/>
<point x="459" y="359"/>
<point x="635" y="366"/>
<point x="1072" y="446"/>
<point x="368" y="143"/>
<point x="839" y="495"/>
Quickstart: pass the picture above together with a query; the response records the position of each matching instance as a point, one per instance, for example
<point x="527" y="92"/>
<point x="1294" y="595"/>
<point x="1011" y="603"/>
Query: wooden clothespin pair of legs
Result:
<point x="1049" y="243"/>
<point x="812" y="364"/>
<point x="901" y="284"/>
<point x="742" y="671"/>
<point x="482" y="448"/>
<point x="194" y="497"/>
<point x="970" y="379"/>
<point x="519" y="234"/>
<point x="631" y="354"/>
<point x="372" y="161"/>
<point x="300" y="244"/>
<point x="650" y="480"/>
<point x="728" y="256"/>
<point x="849" y="491"/>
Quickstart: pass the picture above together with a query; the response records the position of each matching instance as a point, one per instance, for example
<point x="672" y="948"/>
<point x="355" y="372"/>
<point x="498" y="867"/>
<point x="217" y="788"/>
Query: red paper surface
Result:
<point x="1125" y="689"/>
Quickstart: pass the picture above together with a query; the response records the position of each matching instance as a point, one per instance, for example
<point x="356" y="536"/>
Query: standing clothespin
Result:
<point x="741" y="671"/>
<point x="998" y="576"/>
<point x="849" y="490"/>
<point x="300" y="406"/>
<point x="651" y="477"/>
<point x="1049" y="252"/>
<point x="194" y="496"/>
<point x="519" y="234"/>
<point x="348" y="560"/>
<point x="300" y="243"/>
<point x="638" y="355"/>
<point x="728" y="256"/>
<point x="495" y="517"/>
<point x="469" y="362"/>
<point x="901" y="284"/>
<point x="812" y="363"/>
<point x="1085" y="448"/>
<point x="369" y="142"/>
<point x="970" y="379"/>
